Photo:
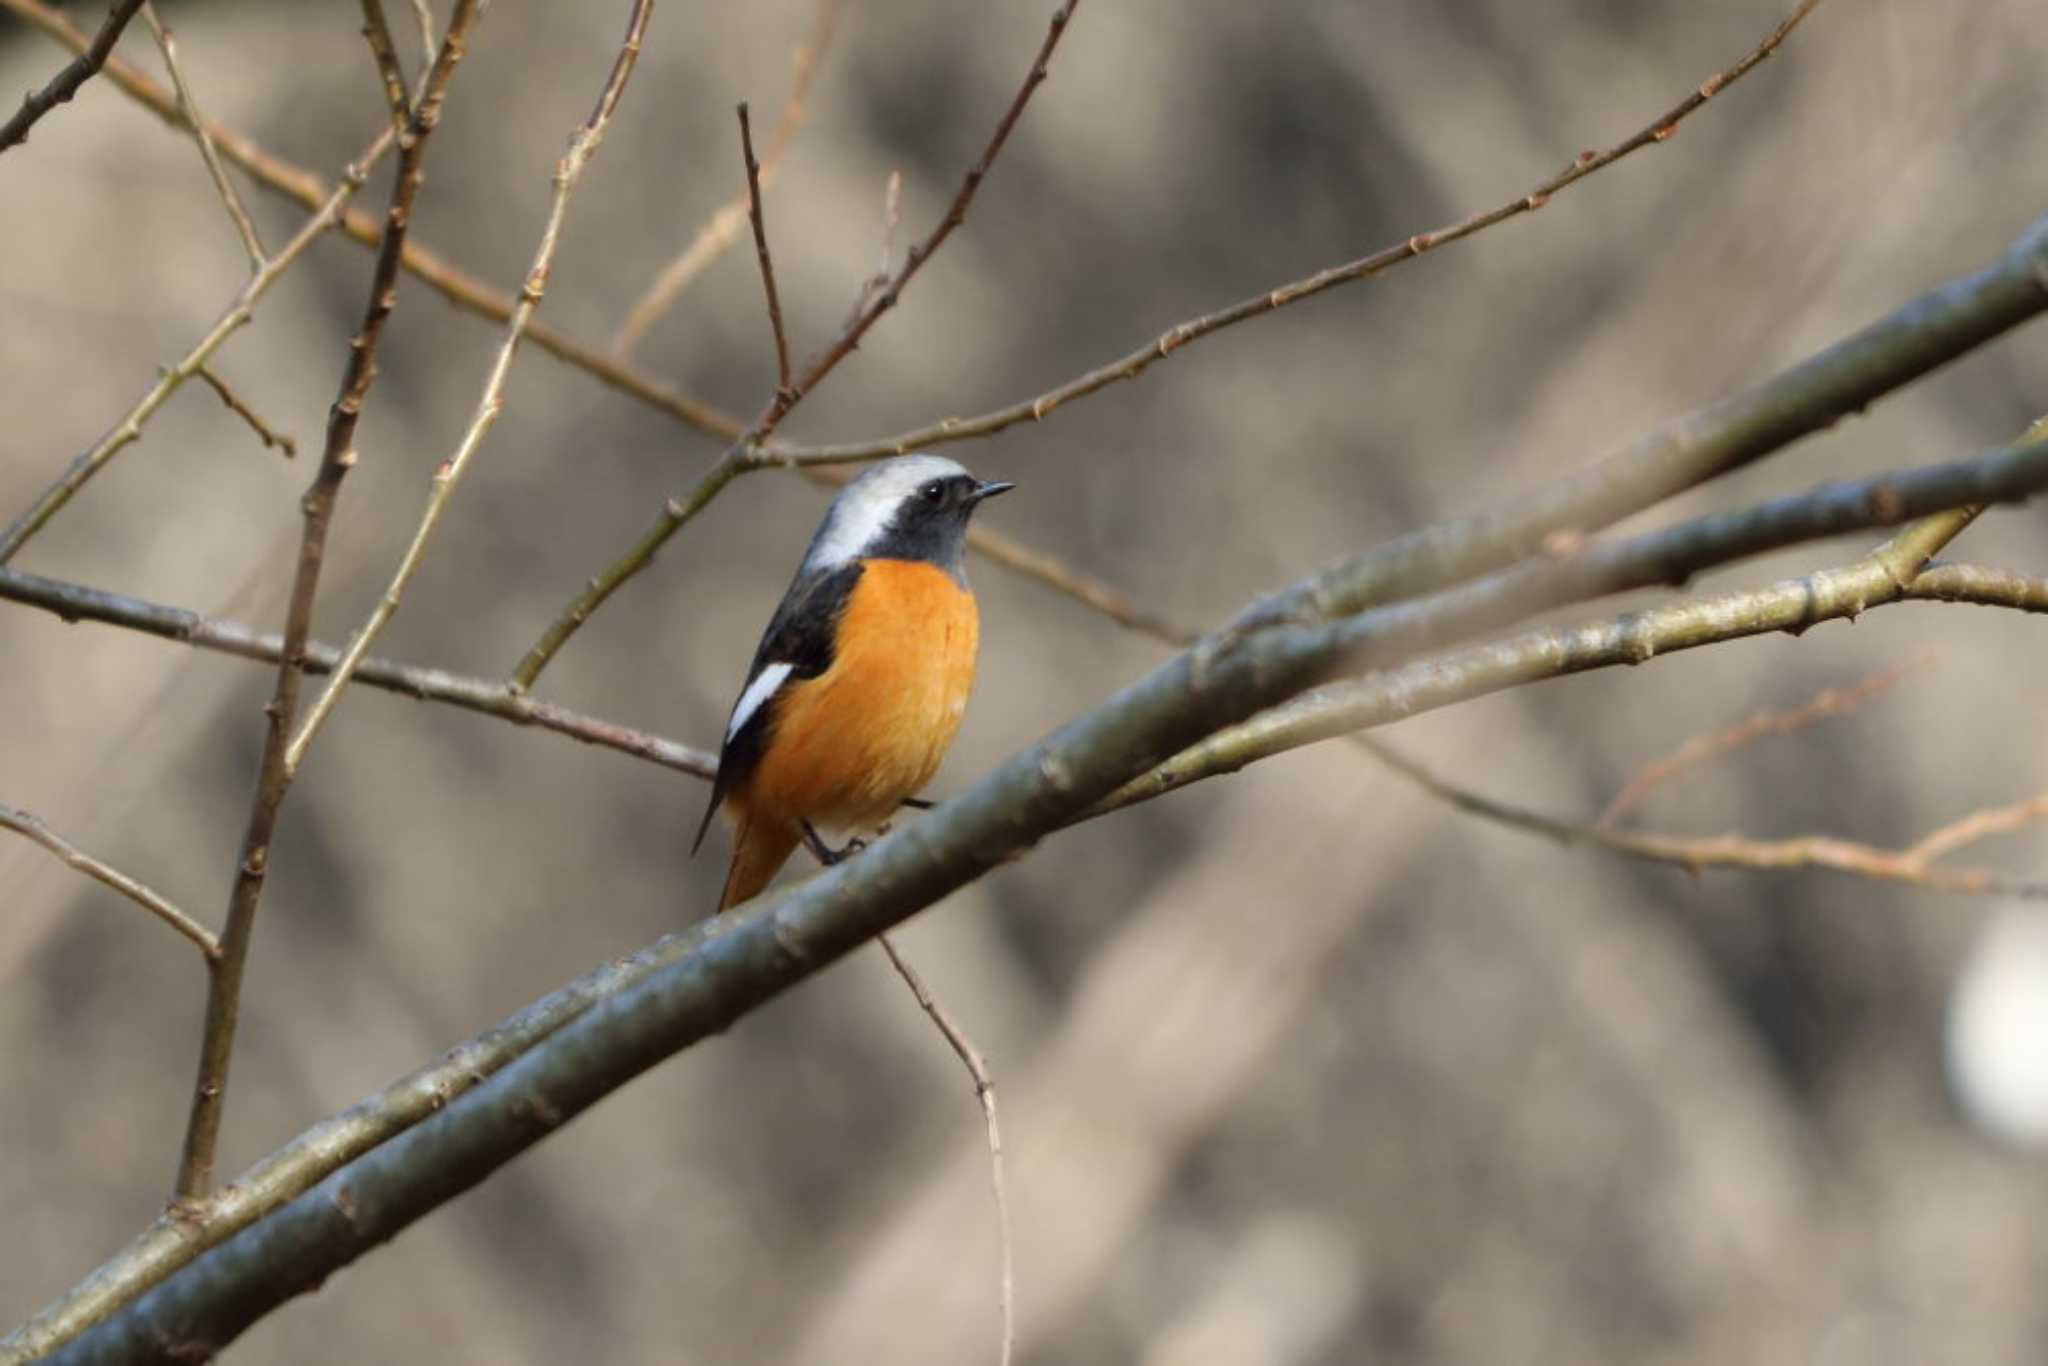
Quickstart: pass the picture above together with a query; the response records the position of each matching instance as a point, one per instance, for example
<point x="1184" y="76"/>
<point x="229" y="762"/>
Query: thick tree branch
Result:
<point x="583" y="146"/>
<point x="66" y="83"/>
<point x="29" y="825"/>
<point x="223" y="997"/>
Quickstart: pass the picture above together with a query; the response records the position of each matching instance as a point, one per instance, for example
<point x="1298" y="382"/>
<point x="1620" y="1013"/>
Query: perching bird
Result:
<point x="863" y="673"/>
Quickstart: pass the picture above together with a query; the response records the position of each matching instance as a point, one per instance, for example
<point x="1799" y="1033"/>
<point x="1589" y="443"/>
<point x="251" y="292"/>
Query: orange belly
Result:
<point x="852" y="743"/>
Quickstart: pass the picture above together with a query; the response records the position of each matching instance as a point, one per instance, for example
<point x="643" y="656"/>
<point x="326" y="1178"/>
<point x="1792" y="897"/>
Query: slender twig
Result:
<point x="1983" y="585"/>
<point x="65" y="83"/>
<point x="245" y="227"/>
<point x="1136" y="362"/>
<point x="271" y="439"/>
<point x="985" y="1092"/>
<point x="223" y="1000"/>
<point x="583" y="146"/>
<point x="158" y="905"/>
<point x="423" y="15"/>
<point x="129" y="429"/>
<point x="377" y="32"/>
<point x="722" y="228"/>
<point x="761" y="251"/>
<point x="488" y="697"/>
<point x="1695" y="854"/>
<point x="892" y="217"/>
<point x="740" y="456"/>
<point x="1827" y="703"/>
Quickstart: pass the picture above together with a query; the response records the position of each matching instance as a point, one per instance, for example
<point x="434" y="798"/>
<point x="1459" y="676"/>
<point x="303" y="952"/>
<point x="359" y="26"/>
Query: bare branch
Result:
<point x="1136" y="362"/>
<point x="985" y="1092"/>
<point x="1981" y="585"/>
<point x="740" y="457"/>
<point x="782" y="381"/>
<point x="223" y="999"/>
<point x="1913" y="866"/>
<point x="582" y="146"/>
<point x="245" y="227"/>
<point x="1828" y="703"/>
<point x="129" y="429"/>
<point x="377" y="33"/>
<point x="158" y="905"/>
<point x="269" y="438"/>
<point x="423" y="15"/>
<point x="66" y="83"/>
<point x="722" y="228"/>
<point x="487" y="697"/>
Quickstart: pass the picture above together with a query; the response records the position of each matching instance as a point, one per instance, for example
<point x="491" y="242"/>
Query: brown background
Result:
<point x="1298" y="1067"/>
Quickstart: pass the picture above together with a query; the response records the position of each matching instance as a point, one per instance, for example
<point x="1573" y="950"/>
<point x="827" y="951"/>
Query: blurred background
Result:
<point x="1295" y="1067"/>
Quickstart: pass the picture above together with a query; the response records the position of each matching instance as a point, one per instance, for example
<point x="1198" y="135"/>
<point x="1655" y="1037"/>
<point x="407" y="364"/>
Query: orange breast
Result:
<point x="852" y="743"/>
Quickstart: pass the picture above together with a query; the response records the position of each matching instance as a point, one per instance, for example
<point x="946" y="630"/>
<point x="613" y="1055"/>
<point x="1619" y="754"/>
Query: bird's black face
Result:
<point x="930" y="523"/>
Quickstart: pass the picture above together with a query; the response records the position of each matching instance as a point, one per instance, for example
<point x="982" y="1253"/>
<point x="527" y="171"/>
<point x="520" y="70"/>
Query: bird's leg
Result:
<point x="825" y="853"/>
<point x="918" y="803"/>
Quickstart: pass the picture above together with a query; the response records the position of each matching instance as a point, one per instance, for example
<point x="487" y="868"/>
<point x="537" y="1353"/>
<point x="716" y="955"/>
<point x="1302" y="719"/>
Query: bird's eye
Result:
<point x="933" y="493"/>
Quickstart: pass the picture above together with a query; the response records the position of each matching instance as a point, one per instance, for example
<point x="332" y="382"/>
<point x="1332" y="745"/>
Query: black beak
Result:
<point x="982" y="491"/>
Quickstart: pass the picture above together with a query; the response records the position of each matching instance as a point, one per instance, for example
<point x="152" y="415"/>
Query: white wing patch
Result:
<point x="758" y="692"/>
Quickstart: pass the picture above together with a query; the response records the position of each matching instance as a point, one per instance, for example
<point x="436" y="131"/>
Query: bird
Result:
<point x="863" y="674"/>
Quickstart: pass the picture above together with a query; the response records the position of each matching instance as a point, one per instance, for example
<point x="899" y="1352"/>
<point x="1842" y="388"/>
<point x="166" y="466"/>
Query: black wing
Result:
<point x="800" y="635"/>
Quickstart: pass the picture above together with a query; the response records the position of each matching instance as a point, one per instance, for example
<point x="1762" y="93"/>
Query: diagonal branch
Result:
<point x="223" y="999"/>
<point x="158" y="905"/>
<point x="245" y="227"/>
<point x="66" y="83"/>
<point x="582" y="147"/>
<point x="740" y="456"/>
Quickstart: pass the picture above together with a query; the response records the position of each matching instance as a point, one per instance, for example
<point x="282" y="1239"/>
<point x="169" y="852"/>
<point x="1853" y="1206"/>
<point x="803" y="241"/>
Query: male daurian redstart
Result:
<point x="863" y="673"/>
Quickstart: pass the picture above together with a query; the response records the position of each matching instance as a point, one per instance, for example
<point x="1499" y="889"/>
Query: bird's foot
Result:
<point x="825" y="853"/>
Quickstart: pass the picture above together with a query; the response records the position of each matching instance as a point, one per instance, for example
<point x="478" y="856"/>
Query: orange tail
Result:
<point x="759" y="849"/>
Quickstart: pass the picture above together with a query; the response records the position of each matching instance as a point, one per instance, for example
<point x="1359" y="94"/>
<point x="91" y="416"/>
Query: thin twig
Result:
<point x="423" y="15"/>
<point x="65" y="83"/>
<point x="1914" y="866"/>
<point x="761" y="250"/>
<point x="377" y="32"/>
<point x="129" y="429"/>
<point x="245" y="227"/>
<point x="568" y="171"/>
<point x="1983" y="585"/>
<point x="1829" y="702"/>
<point x="488" y="697"/>
<point x="892" y="195"/>
<point x="158" y="905"/>
<point x="273" y="440"/>
<point x="722" y="229"/>
<point x="985" y="1092"/>
<point x="223" y="999"/>
<point x="1136" y="362"/>
<point x="740" y="456"/>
